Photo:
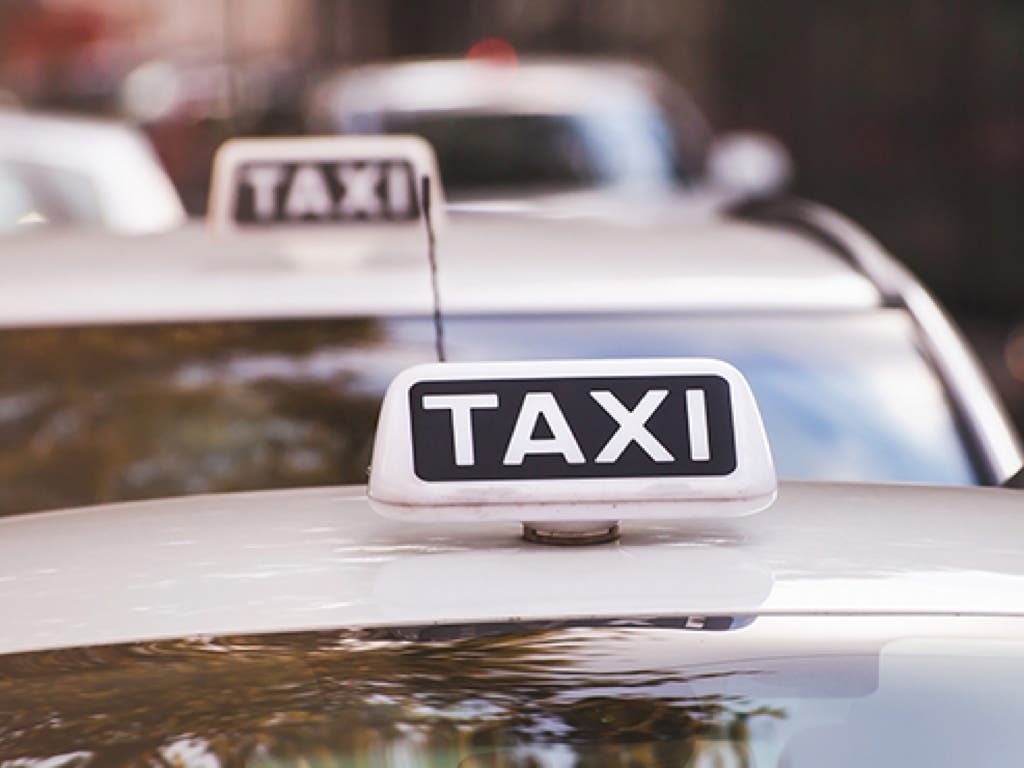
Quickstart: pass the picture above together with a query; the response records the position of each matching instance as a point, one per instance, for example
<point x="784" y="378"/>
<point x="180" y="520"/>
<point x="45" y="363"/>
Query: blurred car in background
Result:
<point x="510" y="128"/>
<point x="60" y="170"/>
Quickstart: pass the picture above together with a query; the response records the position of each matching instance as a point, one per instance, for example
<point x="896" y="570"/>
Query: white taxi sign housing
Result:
<point x="325" y="184"/>
<point x="570" y="441"/>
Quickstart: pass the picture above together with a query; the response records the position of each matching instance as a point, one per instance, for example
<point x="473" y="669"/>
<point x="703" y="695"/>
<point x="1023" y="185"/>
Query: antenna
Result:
<point x="432" y="256"/>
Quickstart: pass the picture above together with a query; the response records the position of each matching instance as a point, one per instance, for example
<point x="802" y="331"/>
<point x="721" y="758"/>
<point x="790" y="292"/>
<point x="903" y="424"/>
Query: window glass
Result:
<point x="499" y="152"/>
<point x="843" y="397"/>
<point x="112" y="413"/>
<point x="38" y="194"/>
<point x="775" y="692"/>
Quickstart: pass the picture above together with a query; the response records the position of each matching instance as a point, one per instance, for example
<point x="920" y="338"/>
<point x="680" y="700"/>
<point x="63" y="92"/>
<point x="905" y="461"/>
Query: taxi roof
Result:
<point x="321" y="558"/>
<point x="533" y="84"/>
<point x="491" y="260"/>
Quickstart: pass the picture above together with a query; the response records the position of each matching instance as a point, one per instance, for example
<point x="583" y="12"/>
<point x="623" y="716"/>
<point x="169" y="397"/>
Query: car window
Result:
<point x="94" y="414"/>
<point x="775" y="692"/>
<point x="39" y="194"/>
<point x="843" y="396"/>
<point x="502" y="152"/>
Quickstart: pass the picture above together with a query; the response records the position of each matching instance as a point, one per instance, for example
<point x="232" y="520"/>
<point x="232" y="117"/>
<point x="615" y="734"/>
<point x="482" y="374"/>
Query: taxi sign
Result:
<point x="329" y="183"/>
<point x="569" y="441"/>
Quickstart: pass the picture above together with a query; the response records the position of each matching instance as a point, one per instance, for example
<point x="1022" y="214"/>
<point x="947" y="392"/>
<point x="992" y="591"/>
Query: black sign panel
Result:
<point x="522" y="429"/>
<point x="310" y="192"/>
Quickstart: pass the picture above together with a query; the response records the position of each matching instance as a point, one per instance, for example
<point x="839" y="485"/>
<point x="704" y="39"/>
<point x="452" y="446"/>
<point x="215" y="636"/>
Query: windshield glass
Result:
<point x="787" y="692"/>
<point x="498" y="152"/>
<point x="114" y="413"/>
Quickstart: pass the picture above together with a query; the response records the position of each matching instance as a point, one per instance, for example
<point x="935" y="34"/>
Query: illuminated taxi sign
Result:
<point x="571" y="440"/>
<point x="323" y="183"/>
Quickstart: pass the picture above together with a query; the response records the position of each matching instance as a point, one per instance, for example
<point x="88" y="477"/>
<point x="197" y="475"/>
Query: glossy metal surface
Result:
<point x="968" y="385"/>
<point x="321" y="558"/>
<point x="490" y="263"/>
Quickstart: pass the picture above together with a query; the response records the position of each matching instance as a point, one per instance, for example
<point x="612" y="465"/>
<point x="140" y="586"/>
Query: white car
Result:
<point x="63" y="170"/>
<point x="546" y="126"/>
<point x="188" y="363"/>
<point x="727" y="623"/>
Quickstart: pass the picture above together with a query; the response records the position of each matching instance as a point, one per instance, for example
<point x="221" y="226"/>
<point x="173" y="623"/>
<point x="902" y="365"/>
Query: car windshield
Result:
<point x="502" y="152"/>
<point x="761" y="692"/>
<point x="94" y="414"/>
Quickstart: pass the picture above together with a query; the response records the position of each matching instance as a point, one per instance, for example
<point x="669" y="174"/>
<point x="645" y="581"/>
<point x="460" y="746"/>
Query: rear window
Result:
<point x="502" y="152"/>
<point x="98" y="414"/>
<point x="764" y="692"/>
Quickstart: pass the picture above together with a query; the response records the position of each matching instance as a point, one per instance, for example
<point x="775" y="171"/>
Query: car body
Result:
<point x="82" y="171"/>
<point x="632" y="587"/>
<point x="515" y="128"/>
<point x="184" y="363"/>
<point x="321" y="558"/>
<point x="279" y="626"/>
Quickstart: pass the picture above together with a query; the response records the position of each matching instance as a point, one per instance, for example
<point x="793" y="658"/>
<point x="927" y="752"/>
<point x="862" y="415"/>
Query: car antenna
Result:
<point x="432" y="256"/>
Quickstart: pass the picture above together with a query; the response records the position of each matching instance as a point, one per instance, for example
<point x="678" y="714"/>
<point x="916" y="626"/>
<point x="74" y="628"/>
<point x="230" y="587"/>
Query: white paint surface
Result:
<point x="322" y="558"/>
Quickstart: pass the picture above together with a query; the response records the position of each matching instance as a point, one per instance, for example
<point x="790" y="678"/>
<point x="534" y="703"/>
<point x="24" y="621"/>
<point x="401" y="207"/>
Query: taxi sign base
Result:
<point x="549" y="515"/>
<point x="578" y="534"/>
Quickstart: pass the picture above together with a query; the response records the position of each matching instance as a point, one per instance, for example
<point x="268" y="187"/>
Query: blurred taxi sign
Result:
<point x="562" y="441"/>
<point x="330" y="183"/>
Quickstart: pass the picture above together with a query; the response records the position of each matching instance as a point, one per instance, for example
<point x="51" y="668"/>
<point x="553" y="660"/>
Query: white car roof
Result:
<point x="542" y="85"/>
<point x="135" y="195"/>
<point x="321" y="558"/>
<point x="488" y="262"/>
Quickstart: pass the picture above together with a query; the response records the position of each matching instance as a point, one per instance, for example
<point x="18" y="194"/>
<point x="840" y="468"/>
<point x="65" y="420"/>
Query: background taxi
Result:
<point x="511" y="128"/>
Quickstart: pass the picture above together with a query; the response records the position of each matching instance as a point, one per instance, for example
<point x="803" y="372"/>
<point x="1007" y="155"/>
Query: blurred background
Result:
<point x="908" y="117"/>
